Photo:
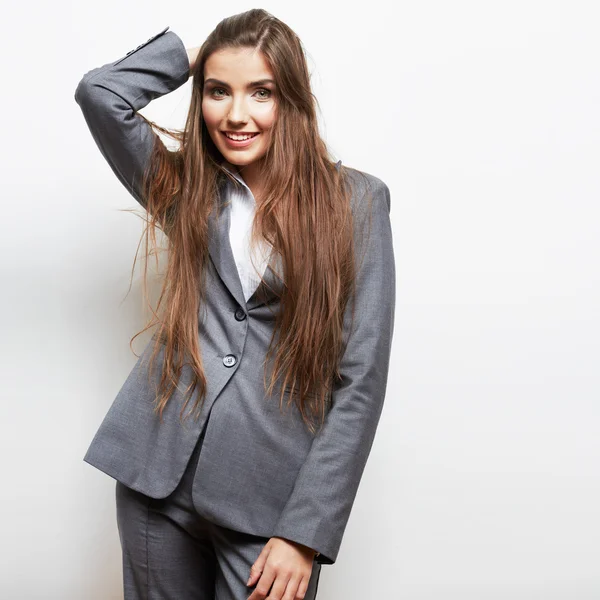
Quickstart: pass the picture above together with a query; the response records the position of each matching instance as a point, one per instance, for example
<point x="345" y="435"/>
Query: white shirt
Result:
<point x="242" y="207"/>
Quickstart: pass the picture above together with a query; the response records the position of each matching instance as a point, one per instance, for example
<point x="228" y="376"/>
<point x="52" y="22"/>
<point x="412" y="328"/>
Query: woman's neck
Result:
<point x="251" y="174"/>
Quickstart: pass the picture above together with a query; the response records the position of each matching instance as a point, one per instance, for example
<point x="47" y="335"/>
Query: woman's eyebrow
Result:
<point x="250" y="85"/>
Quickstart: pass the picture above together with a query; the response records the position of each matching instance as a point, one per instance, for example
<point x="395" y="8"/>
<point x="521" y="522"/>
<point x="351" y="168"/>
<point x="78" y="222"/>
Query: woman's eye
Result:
<point x="266" y="93"/>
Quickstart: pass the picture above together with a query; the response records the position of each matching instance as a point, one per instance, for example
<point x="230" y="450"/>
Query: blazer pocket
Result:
<point x="142" y="45"/>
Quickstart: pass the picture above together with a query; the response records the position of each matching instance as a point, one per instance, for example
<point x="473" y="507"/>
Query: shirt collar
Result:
<point x="233" y="170"/>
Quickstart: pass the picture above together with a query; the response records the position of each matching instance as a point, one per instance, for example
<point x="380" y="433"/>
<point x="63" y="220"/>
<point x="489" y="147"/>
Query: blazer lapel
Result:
<point x="271" y="287"/>
<point x="221" y="254"/>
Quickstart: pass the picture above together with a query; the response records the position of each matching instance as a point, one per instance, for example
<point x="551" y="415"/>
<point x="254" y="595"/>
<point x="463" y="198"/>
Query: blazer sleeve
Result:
<point x="110" y="95"/>
<point x="319" y="506"/>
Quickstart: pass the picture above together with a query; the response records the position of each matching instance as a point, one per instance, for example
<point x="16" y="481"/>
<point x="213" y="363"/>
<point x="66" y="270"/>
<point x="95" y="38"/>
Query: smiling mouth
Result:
<point x="239" y="137"/>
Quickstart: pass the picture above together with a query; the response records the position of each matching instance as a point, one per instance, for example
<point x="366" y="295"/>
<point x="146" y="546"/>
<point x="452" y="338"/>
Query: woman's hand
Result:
<point x="285" y="565"/>
<point x="192" y="56"/>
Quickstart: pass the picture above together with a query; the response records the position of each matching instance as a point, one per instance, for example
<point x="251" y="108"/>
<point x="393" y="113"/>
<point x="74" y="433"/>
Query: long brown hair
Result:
<point x="304" y="213"/>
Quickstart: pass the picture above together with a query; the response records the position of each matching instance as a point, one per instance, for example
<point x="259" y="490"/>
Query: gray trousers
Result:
<point x="170" y="552"/>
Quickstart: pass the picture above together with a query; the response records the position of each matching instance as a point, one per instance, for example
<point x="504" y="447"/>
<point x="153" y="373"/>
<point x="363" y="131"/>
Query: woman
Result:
<point x="280" y="285"/>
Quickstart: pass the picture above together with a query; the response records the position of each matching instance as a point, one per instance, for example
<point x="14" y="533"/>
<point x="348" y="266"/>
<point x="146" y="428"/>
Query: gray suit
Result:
<point x="259" y="471"/>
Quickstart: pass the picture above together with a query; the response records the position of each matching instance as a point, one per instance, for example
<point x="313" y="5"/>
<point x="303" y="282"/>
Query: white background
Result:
<point x="482" y="118"/>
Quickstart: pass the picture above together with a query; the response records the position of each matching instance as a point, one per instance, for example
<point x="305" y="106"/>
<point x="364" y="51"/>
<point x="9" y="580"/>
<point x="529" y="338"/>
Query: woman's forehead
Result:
<point x="244" y="65"/>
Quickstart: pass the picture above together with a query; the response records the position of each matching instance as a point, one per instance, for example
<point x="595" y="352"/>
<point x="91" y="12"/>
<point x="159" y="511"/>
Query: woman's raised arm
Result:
<point x="110" y="95"/>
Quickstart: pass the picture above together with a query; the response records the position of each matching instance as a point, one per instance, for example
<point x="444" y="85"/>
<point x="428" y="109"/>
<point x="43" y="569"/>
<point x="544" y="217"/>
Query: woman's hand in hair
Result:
<point x="281" y="571"/>
<point x="192" y="56"/>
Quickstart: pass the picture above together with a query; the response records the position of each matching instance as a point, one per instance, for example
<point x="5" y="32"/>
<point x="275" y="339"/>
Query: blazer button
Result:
<point x="240" y="314"/>
<point x="229" y="360"/>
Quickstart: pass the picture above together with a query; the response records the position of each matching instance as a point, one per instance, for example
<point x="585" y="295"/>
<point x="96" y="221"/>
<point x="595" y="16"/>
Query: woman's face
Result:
<point x="239" y="98"/>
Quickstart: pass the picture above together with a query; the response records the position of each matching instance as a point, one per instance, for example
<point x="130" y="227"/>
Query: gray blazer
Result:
<point x="259" y="471"/>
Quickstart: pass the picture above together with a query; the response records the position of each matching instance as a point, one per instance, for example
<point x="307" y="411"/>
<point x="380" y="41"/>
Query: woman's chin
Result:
<point x="241" y="159"/>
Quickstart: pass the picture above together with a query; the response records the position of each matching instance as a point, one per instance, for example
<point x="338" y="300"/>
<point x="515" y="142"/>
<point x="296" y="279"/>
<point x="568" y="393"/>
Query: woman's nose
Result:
<point x="238" y="112"/>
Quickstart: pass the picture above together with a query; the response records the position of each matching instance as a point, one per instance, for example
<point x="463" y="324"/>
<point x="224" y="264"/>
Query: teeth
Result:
<point x="237" y="137"/>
